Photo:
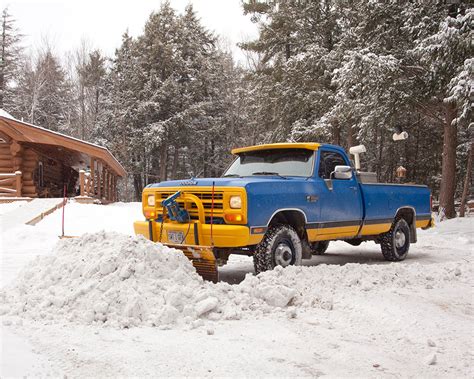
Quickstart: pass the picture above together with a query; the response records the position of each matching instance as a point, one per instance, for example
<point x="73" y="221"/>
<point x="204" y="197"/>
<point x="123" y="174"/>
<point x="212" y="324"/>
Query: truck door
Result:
<point x="339" y="199"/>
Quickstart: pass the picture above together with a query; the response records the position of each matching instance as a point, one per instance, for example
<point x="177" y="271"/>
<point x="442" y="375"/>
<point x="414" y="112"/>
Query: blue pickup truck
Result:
<point x="282" y="203"/>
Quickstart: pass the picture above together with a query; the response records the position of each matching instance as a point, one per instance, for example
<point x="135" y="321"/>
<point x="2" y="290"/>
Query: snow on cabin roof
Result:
<point x="4" y="113"/>
<point x="26" y="132"/>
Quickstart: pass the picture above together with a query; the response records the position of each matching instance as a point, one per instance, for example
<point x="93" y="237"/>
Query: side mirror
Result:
<point x="342" y="172"/>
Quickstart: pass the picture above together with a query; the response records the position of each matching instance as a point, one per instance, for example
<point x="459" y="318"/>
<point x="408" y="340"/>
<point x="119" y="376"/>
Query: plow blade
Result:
<point x="203" y="260"/>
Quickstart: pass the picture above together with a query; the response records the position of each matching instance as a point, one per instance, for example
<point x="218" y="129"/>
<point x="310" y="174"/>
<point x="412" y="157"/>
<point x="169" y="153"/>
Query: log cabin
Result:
<point x="37" y="162"/>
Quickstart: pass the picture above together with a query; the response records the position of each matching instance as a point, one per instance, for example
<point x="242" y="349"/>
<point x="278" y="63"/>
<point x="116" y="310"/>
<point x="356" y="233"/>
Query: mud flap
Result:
<point x="203" y="259"/>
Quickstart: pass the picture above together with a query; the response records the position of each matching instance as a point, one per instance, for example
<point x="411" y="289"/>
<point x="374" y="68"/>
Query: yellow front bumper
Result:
<point x="199" y="234"/>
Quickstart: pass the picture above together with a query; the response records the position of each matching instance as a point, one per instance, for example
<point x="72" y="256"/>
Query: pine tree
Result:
<point x="44" y="93"/>
<point x="89" y="74"/>
<point x="443" y="56"/>
<point x="119" y="125"/>
<point x="10" y="54"/>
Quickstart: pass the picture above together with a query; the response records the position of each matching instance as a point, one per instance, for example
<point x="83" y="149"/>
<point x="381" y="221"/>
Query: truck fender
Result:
<point x="409" y="214"/>
<point x="296" y="218"/>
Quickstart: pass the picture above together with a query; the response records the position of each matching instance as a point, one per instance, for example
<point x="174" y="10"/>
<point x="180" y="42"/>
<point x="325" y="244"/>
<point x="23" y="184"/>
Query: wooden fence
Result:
<point x="10" y="184"/>
<point x="98" y="185"/>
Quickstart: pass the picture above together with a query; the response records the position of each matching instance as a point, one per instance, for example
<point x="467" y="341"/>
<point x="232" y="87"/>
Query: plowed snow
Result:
<point x="122" y="281"/>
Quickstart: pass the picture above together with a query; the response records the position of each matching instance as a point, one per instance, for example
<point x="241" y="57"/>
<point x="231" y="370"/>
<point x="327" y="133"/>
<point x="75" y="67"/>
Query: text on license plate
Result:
<point x="175" y="237"/>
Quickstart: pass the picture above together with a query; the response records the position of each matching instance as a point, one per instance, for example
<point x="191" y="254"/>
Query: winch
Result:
<point x="175" y="213"/>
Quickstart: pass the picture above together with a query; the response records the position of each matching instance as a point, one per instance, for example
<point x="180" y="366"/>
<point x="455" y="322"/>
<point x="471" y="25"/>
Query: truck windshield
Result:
<point x="278" y="162"/>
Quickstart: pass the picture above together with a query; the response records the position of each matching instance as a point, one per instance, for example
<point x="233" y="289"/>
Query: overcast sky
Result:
<point x="103" y="22"/>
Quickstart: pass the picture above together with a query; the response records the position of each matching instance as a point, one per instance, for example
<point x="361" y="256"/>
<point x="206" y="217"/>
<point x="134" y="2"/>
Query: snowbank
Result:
<point x="122" y="281"/>
<point x="21" y="244"/>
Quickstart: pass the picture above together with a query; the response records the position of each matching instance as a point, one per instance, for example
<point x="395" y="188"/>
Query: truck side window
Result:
<point x="328" y="161"/>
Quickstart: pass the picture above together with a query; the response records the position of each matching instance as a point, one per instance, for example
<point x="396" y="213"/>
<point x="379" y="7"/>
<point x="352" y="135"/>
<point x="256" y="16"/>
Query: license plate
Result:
<point x="175" y="237"/>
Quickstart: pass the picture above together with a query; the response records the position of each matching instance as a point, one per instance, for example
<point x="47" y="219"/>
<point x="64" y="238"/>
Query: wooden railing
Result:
<point x="93" y="184"/>
<point x="13" y="181"/>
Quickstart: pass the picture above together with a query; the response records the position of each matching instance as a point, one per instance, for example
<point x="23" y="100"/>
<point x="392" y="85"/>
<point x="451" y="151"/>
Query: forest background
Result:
<point x="172" y="101"/>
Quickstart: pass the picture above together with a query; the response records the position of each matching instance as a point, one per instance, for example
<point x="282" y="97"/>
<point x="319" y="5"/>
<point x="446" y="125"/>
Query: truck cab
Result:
<point x="282" y="203"/>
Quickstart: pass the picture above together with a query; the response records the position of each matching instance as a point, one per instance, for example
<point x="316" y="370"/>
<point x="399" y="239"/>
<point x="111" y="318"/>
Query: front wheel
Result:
<point x="396" y="242"/>
<point x="281" y="246"/>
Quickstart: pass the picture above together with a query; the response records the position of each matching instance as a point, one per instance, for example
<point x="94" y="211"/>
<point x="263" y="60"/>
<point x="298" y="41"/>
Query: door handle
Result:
<point x="354" y="188"/>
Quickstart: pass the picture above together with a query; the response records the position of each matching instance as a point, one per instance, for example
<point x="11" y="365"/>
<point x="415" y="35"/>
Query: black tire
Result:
<point x="319" y="248"/>
<point x="281" y="246"/>
<point x="396" y="242"/>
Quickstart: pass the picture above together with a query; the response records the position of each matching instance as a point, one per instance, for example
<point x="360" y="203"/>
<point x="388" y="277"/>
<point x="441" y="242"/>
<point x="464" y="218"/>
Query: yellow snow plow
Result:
<point x="203" y="260"/>
<point x="197" y="221"/>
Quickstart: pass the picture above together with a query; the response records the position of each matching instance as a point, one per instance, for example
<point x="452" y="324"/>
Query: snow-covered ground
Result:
<point x="9" y="207"/>
<point x="348" y="313"/>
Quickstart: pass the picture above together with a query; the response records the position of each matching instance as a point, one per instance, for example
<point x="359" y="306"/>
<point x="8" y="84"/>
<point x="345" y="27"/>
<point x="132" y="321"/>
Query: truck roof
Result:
<point x="287" y="145"/>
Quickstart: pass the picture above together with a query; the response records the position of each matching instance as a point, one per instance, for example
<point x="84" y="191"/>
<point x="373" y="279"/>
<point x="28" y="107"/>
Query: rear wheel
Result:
<point x="396" y="242"/>
<point x="319" y="248"/>
<point x="281" y="246"/>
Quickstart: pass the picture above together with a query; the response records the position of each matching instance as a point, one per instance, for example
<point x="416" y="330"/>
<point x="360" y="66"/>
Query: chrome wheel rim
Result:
<point x="400" y="239"/>
<point x="283" y="255"/>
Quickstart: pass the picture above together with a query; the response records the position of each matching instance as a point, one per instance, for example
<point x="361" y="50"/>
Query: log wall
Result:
<point x="28" y="168"/>
<point x="100" y="183"/>
<point x="13" y="157"/>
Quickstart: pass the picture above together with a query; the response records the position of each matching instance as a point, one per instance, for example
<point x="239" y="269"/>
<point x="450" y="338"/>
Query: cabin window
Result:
<point x="328" y="162"/>
<point x="40" y="174"/>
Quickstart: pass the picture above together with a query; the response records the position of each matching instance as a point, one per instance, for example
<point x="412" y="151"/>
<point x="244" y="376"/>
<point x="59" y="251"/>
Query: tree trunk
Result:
<point x="380" y="154"/>
<point x="350" y="137"/>
<point x="96" y="110"/>
<point x="3" y="59"/>
<point x="417" y="146"/>
<point x="175" y="162"/>
<point x="448" y="170"/>
<point x="336" y="133"/>
<point x="83" y="111"/>
<point x="137" y="184"/>
<point x="205" y="158"/>
<point x="212" y="159"/>
<point x="163" y="162"/>
<point x="467" y="180"/>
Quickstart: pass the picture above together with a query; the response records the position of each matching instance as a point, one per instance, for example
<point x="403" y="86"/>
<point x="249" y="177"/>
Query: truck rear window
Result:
<point x="284" y="162"/>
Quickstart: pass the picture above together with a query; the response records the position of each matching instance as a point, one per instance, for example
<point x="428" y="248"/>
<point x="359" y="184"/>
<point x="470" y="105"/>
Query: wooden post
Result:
<point x="89" y="184"/>
<point x="106" y="184"/>
<point x="109" y="185"/>
<point x="18" y="183"/>
<point x="114" y="193"/>
<point x="99" y="189"/>
<point x="104" y="180"/>
<point x="92" y="177"/>
<point x="112" y="184"/>
<point x="82" y="181"/>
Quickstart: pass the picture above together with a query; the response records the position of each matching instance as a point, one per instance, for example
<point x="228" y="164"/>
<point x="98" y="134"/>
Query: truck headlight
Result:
<point x="151" y="200"/>
<point x="235" y="202"/>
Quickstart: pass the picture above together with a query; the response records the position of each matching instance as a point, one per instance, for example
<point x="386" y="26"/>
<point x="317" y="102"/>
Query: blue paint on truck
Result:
<point x="310" y="191"/>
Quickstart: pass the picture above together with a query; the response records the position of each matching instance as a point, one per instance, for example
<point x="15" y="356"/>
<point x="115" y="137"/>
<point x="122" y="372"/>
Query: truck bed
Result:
<point x="382" y="200"/>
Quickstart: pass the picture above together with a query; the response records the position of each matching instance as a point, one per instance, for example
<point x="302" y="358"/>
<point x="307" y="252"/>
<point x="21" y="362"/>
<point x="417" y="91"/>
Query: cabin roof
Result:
<point x="32" y="134"/>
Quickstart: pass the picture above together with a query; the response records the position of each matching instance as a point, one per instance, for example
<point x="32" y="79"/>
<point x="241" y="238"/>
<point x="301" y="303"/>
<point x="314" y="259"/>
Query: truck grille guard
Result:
<point x="201" y="207"/>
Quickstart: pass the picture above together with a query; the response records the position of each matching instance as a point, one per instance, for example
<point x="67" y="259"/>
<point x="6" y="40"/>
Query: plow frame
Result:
<point x="202" y="257"/>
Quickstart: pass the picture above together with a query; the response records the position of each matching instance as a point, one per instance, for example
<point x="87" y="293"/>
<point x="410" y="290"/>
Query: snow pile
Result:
<point x="328" y="286"/>
<point x="125" y="281"/>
